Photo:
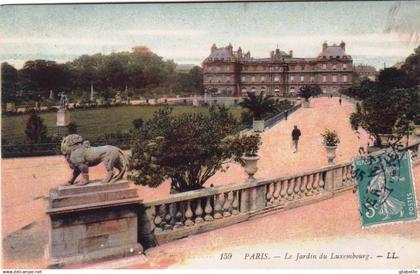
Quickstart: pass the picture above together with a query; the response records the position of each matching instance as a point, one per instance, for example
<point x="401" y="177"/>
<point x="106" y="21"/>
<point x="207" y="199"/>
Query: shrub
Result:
<point x="330" y="137"/>
<point x="187" y="149"/>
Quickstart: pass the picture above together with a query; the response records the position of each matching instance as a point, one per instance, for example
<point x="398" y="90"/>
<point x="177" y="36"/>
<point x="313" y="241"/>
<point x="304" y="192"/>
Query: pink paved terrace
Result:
<point x="327" y="225"/>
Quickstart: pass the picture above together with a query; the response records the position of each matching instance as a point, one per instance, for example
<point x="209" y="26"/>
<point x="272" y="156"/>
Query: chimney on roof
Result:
<point x="239" y="52"/>
<point x="343" y="45"/>
<point x="272" y="53"/>
<point x="229" y="48"/>
<point x="213" y="48"/>
<point x="324" y="45"/>
<point x="291" y="53"/>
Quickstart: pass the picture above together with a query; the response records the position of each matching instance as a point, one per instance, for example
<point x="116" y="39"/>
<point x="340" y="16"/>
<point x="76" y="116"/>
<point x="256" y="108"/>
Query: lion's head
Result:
<point x="69" y="142"/>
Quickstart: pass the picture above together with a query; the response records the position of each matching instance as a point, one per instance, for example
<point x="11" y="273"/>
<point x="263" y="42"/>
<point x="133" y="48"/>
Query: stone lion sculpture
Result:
<point x="80" y="156"/>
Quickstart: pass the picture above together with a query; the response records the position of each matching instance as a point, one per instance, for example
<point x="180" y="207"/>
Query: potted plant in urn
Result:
<point x="259" y="106"/>
<point x="248" y="147"/>
<point x="330" y="140"/>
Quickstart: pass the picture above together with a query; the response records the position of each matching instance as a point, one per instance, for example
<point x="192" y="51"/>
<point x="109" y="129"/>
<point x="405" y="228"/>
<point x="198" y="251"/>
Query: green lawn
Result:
<point x="92" y="123"/>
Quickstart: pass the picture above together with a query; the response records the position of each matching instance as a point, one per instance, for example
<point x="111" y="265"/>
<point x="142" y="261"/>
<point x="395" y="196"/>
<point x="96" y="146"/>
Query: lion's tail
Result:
<point x="123" y="170"/>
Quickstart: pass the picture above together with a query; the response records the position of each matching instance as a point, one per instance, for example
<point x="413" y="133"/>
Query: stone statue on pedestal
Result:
<point x="80" y="156"/>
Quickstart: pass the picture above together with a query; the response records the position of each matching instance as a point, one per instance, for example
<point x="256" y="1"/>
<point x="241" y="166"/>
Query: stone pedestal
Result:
<point x="63" y="118"/>
<point x="92" y="222"/>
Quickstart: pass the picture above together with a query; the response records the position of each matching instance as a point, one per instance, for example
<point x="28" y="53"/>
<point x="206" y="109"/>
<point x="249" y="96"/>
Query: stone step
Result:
<point x="91" y="187"/>
<point x="57" y="201"/>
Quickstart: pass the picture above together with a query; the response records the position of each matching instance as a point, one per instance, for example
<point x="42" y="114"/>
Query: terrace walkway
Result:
<point x="26" y="181"/>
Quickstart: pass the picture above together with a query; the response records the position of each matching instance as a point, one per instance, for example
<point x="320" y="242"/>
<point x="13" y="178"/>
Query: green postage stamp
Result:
<point x="386" y="188"/>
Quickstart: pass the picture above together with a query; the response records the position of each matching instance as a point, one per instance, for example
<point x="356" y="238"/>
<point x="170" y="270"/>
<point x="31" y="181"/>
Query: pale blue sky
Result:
<point x="375" y="32"/>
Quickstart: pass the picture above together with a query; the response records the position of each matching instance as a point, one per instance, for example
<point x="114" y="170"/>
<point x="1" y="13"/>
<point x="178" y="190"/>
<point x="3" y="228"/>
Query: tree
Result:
<point x="36" y="131"/>
<point x="393" y="78"/>
<point x="386" y="111"/>
<point x="307" y="91"/>
<point x="259" y="105"/>
<point x="412" y="66"/>
<point x="196" y="75"/>
<point x="41" y="76"/>
<point x="187" y="149"/>
<point x="9" y="83"/>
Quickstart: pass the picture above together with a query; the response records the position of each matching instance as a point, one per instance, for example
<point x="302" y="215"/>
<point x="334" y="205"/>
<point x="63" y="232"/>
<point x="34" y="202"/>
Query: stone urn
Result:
<point x="385" y="139"/>
<point x="331" y="153"/>
<point x="305" y="103"/>
<point x="250" y="165"/>
<point x="258" y="125"/>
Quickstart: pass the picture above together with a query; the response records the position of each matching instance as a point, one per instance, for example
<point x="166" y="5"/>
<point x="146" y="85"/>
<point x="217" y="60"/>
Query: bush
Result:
<point x="188" y="149"/>
<point x="330" y="137"/>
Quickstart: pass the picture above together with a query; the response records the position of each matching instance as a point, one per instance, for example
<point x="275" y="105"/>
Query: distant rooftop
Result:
<point x="227" y="54"/>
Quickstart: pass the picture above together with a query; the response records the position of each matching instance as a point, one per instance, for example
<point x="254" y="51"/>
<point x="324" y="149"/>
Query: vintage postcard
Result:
<point x="252" y="135"/>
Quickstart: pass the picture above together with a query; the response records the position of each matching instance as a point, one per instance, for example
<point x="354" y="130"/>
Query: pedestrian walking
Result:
<point x="285" y="114"/>
<point x="295" y="138"/>
<point x="339" y="100"/>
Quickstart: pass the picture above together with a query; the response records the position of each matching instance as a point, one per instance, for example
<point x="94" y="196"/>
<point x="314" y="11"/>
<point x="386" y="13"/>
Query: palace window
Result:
<point x="334" y="66"/>
<point x="218" y="79"/>
<point x="262" y="79"/>
<point x="324" y="66"/>
<point x="324" y="78"/>
<point x="227" y="68"/>
<point x="302" y="78"/>
<point x="276" y="79"/>
<point x="227" y="79"/>
<point x="345" y="78"/>
<point x="344" y="66"/>
<point x="217" y="69"/>
<point x="243" y="79"/>
<point x="334" y="78"/>
<point x="253" y="79"/>
<point x="312" y="79"/>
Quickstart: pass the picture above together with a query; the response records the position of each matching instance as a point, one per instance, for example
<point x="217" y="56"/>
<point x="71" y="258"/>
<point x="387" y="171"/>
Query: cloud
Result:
<point x="166" y="32"/>
<point x="59" y="41"/>
<point x="318" y="39"/>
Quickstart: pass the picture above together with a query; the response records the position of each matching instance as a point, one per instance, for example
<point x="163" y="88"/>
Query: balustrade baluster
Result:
<point x="208" y="210"/>
<point x="315" y="183"/>
<point x="188" y="214"/>
<point x="218" y="206"/>
<point x="269" y="195"/>
<point x="349" y="174"/>
<point x="157" y="220"/>
<point x="297" y="186"/>
<point x="321" y="182"/>
<point x="344" y="176"/>
<point x="283" y="190"/>
<point x="235" y="203"/>
<point x="351" y="179"/>
<point x="303" y="185"/>
<point x="162" y="213"/>
<point x="198" y="212"/>
<point x="276" y="194"/>
<point x="169" y="217"/>
<point x="227" y="206"/>
<point x="309" y="182"/>
<point x="290" y="189"/>
<point x="178" y="215"/>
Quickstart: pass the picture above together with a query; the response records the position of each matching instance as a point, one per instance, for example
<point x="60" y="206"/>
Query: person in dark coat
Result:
<point x="295" y="138"/>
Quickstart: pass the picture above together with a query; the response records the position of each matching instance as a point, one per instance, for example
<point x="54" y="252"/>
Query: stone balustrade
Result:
<point x="197" y="211"/>
<point x="206" y="209"/>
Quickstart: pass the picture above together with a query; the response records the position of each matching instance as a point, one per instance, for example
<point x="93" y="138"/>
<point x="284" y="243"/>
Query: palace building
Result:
<point x="233" y="73"/>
